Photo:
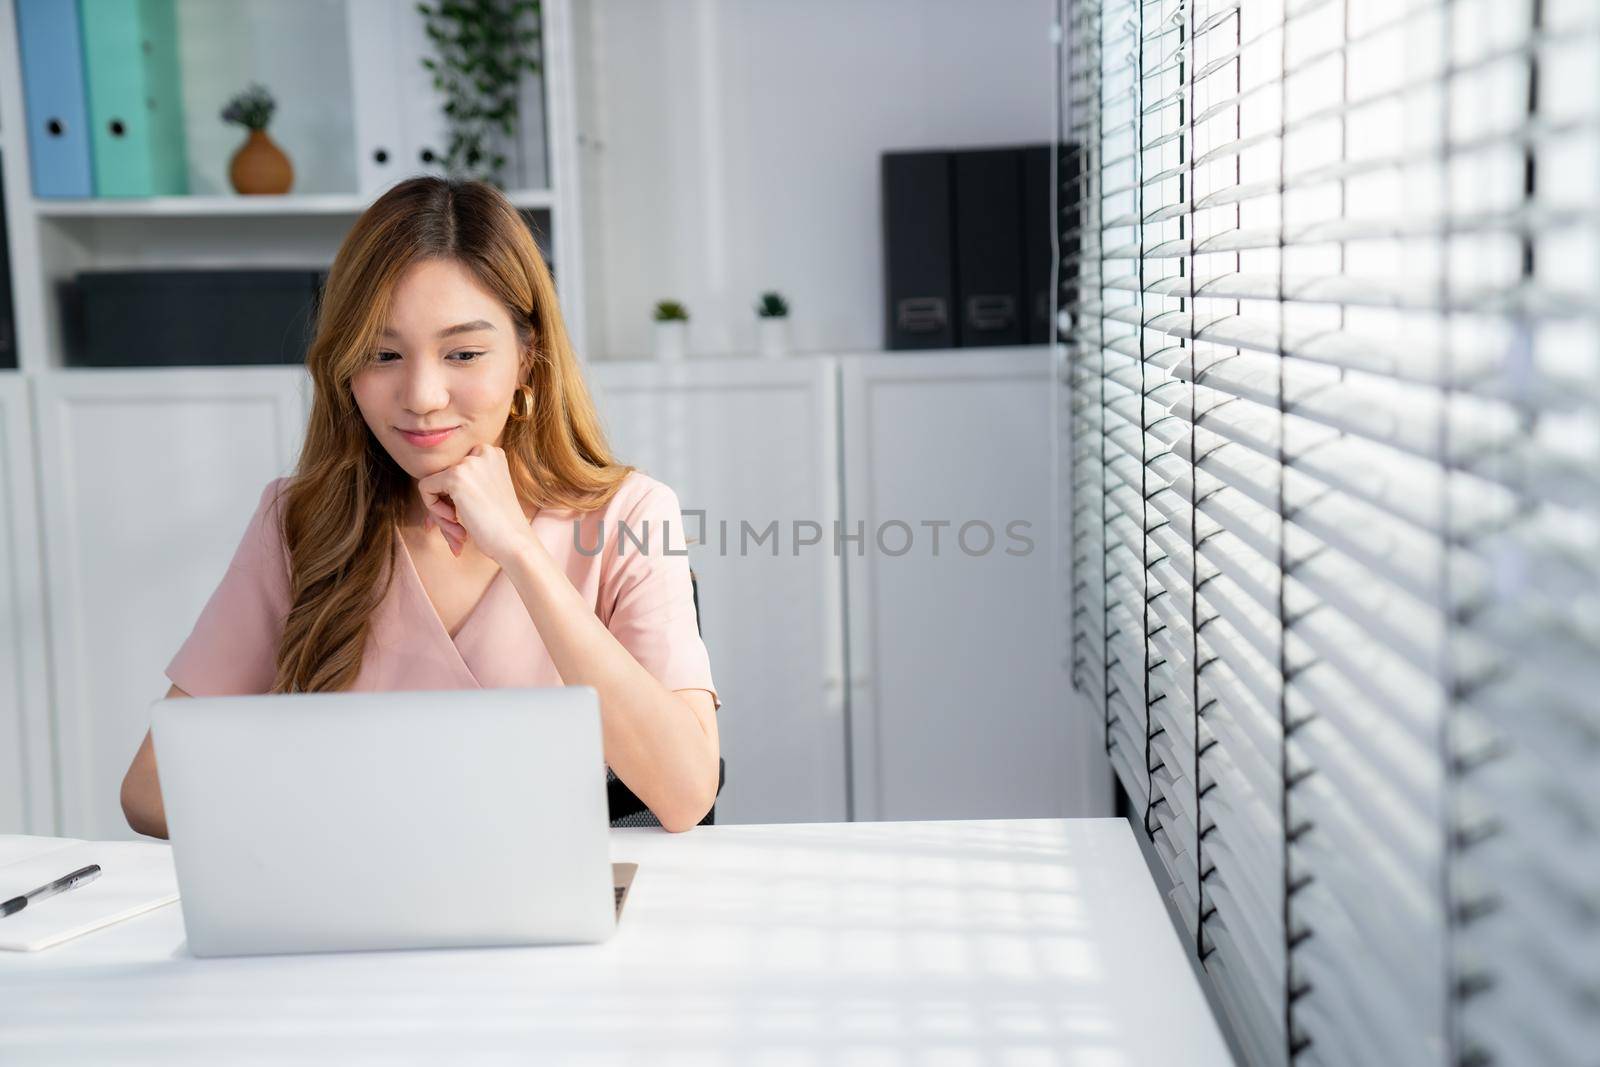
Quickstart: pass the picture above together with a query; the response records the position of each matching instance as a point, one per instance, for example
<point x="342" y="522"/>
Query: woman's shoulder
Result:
<point x="272" y="497"/>
<point x="267" y="522"/>
<point x="637" y="493"/>
<point x="261" y="547"/>
<point x="642" y="510"/>
<point x="630" y="492"/>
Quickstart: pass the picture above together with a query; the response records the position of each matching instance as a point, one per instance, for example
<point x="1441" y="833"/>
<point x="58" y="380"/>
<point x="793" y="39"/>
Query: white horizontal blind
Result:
<point x="1334" y="362"/>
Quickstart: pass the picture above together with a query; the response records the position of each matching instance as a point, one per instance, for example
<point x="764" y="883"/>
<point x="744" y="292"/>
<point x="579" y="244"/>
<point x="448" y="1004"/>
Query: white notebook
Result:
<point x="135" y="876"/>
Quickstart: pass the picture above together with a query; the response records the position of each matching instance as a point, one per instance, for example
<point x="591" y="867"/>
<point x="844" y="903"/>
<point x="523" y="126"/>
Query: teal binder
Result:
<point x="130" y="64"/>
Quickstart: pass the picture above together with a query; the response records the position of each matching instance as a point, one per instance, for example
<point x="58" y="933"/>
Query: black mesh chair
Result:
<point x="626" y="808"/>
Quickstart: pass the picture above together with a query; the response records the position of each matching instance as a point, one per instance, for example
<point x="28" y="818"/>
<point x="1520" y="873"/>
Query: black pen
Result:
<point x="82" y="876"/>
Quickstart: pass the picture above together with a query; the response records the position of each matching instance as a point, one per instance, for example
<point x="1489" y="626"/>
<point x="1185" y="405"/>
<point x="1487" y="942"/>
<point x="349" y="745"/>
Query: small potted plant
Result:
<point x="481" y="51"/>
<point x="772" y="325"/>
<point x="672" y="329"/>
<point x="259" y="166"/>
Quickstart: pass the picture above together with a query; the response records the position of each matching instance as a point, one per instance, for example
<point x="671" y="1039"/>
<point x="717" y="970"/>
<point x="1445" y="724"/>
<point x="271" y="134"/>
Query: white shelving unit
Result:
<point x="54" y="239"/>
<point x="64" y="429"/>
<point x="287" y="204"/>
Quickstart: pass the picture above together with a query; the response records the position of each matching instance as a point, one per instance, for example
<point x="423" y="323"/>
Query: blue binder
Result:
<point x="58" y="115"/>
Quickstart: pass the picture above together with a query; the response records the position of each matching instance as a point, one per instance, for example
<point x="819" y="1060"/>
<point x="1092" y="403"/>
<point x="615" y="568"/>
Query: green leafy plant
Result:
<point x="772" y="306"/>
<point x="671" y="311"/>
<point x="252" y="108"/>
<point x="483" y="49"/>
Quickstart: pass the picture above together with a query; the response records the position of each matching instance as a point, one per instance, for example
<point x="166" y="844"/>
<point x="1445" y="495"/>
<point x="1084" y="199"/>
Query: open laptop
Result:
<point x="342" y="821"/>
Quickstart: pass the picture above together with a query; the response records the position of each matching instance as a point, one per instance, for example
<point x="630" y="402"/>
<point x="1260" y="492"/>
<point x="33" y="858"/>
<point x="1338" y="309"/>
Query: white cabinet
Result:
<point x="865" y="678"/>
<point x="753" y="445"/>
<point x="954" y="706"/>
<point x="957" y="681"/>
<point x="27" y="793"/>
<point x="147" y="480"/>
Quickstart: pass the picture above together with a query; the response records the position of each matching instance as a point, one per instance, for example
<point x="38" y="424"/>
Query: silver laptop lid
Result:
<point x="338" y="821"/>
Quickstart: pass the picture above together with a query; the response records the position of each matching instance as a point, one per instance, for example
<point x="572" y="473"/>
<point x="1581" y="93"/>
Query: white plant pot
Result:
<point x="672" y="340"/>
<point x="772" y="336"/>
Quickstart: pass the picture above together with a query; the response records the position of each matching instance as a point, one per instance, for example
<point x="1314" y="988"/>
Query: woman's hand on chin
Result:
<point x="476" y="499"/>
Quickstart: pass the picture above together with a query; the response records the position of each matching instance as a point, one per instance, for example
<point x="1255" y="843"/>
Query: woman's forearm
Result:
<point x="654" y="740"/>
<point x="142" y="805"/>
<point x="141" y="793"/>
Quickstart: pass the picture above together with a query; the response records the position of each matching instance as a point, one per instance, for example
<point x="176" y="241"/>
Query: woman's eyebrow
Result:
<point x="451" y="331"/>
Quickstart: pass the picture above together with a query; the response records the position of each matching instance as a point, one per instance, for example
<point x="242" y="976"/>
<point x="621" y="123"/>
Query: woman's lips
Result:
<point x="429" y="439"/>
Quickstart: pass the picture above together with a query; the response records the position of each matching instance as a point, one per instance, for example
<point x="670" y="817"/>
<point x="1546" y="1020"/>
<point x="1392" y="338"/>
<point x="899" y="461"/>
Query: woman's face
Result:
<point x="447" y="362"/>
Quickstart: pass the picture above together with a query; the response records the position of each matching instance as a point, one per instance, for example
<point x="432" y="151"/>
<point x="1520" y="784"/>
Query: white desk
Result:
<point x="1027" y="941"/>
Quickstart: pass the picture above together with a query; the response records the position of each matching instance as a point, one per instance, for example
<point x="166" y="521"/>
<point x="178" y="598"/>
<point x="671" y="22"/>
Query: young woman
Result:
<point x="455" y="518"/>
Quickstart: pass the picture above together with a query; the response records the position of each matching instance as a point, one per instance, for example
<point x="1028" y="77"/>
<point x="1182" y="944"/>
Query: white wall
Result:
<point x="736" y="147"/>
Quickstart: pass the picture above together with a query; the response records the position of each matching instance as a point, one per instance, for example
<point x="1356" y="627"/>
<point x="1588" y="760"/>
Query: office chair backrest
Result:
<point x="626" y="807"/>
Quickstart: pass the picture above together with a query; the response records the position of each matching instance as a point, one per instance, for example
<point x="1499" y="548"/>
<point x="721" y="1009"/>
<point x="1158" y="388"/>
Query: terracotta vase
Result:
<point x="259" y="166"/>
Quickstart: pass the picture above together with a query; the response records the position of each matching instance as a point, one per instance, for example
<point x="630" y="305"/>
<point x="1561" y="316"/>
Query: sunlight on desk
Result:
<point x="1017" y="941"/>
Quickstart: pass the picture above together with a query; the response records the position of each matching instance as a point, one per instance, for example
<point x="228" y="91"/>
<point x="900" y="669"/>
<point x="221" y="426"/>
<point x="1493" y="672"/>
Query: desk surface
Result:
<point x="1039" y="940"/>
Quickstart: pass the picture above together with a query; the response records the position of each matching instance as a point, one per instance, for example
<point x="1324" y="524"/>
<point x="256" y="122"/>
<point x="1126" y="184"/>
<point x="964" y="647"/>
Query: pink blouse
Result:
<point x="643" y="598"/>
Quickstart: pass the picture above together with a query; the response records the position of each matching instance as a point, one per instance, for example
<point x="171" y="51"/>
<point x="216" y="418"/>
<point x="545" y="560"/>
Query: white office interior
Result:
<point x="1272" y="740"/>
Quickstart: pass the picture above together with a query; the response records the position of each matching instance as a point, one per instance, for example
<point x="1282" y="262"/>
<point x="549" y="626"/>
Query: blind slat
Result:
<point x="1331" y="276"/>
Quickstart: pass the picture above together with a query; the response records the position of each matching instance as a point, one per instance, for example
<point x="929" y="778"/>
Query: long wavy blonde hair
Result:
<point x="340" y="509"/>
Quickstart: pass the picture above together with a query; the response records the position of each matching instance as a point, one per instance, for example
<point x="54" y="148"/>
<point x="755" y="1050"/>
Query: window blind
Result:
<point x="1331" y="342"/>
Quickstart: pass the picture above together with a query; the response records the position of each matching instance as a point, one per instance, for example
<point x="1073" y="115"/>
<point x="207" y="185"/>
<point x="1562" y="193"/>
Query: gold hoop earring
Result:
<point x="524" y="393"/>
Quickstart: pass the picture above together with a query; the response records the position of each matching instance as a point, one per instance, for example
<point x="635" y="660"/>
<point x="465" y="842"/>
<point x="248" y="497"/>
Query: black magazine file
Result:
<point x="8" y="328"/>
<point x="626" y="808"/>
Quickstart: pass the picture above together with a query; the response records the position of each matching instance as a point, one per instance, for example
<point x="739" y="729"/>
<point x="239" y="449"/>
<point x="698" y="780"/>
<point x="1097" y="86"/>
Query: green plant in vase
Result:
<point x="772" y="326"/>
<point x="483" y="48"/>
<point x="259" y="166"/>
<point x="672" y="331"/>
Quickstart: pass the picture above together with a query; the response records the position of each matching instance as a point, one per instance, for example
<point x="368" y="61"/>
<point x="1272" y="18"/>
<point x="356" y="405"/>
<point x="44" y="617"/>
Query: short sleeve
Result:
<point x="652" y="609"/>
<point x="233" y="648"/>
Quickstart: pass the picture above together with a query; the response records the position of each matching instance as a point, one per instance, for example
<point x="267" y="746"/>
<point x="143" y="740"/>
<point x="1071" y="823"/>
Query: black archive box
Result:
<point x="988" y="202"/>
<point x="968" y="238"/>
<point x="191" y="318"/>
<point x="1037" y="251"/>
<point x="8" y="328"/>
<point x="918" y="250"/>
